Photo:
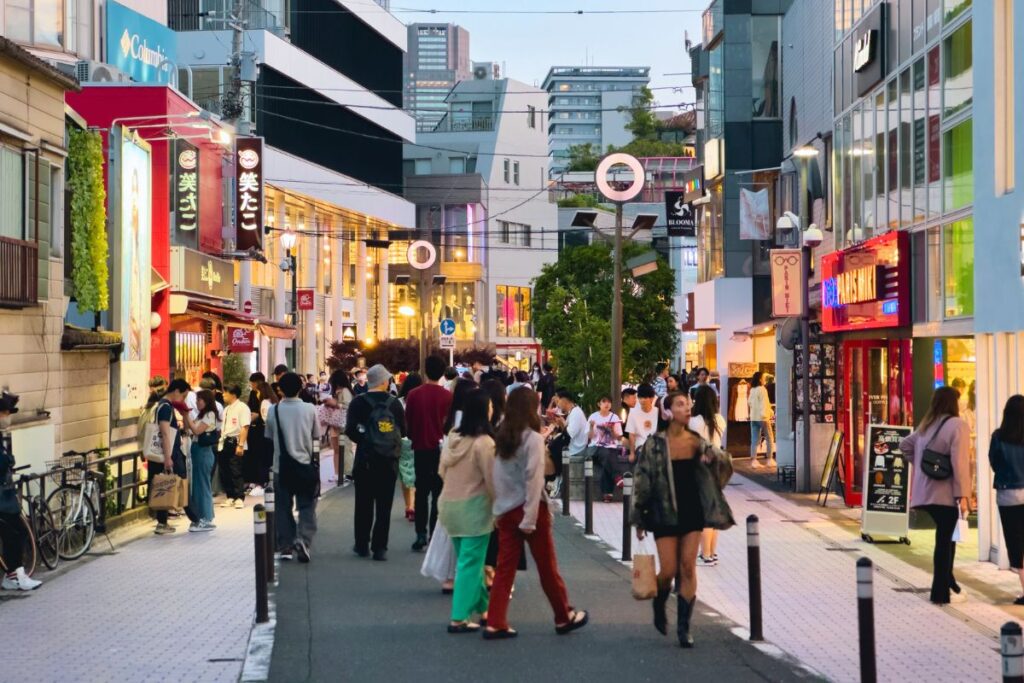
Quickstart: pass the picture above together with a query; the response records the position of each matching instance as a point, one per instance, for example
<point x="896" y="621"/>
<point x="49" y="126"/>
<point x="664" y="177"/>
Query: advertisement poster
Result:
<point x="886" y="482"/>
<point x="135" y="213"/>
<point x="755" y="218"/>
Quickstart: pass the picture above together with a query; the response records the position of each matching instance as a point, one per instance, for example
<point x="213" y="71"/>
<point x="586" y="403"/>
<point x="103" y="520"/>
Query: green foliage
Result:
<point x="236" y="371"/>
<point x="88" y="221"/>
<point x="643" y="124"/>
<point x="653" y="148"/>
<point x="399" y="354"/>
<point x="583" y="157"/>
<point x="572" y="305"/>
<point x="578" y="201"/>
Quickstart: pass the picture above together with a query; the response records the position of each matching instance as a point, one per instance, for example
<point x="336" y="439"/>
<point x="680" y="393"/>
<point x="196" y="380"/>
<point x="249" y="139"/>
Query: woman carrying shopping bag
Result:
<point x="677" y="493"/>
<point x="464" y="508"/>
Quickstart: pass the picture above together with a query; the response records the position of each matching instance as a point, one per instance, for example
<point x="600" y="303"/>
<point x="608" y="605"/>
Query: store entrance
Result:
<point x="876" y="389"/>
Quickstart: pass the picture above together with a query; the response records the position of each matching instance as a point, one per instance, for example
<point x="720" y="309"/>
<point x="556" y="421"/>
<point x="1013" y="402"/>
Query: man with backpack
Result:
<point x="292" y="427"/>
<point x="376" y="424"/>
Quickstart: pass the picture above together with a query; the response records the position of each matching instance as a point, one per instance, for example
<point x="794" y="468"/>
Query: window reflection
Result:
<point x="513" y="305"/>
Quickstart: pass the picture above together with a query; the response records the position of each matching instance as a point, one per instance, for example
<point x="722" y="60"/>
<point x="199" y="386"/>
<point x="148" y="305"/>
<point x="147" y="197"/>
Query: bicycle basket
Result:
<point x="67" y="469"/>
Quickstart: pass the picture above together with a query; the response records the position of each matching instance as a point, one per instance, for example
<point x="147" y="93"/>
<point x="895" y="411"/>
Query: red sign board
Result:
<point x="868" y="286"/>
<point x="247" y="307"/>
<point x="307" y="299"/>
<point x="240" y="339"/>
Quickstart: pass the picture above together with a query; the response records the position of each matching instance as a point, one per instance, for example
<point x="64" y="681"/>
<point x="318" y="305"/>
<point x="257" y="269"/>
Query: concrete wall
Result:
<point x="806" y="55"/>
<point x="85" y="400"/>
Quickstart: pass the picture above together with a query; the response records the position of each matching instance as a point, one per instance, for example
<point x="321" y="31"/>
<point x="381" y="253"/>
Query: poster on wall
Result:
<point x="755" y="217"/>
<point x="886" y="483"/>
<point x="133" y="258"/>
<point x="249" y="193"/>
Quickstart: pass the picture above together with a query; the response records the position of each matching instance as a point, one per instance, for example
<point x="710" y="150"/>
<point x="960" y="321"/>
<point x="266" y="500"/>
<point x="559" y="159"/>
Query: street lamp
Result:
<point x="288" y="239"/>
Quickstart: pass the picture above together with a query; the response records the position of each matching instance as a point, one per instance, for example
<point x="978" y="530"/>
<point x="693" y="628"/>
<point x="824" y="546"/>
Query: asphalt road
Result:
<point x="346" y="618"/>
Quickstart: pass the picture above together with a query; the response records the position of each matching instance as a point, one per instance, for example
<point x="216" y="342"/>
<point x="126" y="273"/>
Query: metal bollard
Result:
<point x="259" y="525"/>
<point x="754" y="578"/>
<point x="268" y="506"/>
<point x="566" y="479"/>
<point x="627" y="499"/>
<point x="866" y="619"/>
<point x="1012" y="649"/>
<point x="588" y="496"/>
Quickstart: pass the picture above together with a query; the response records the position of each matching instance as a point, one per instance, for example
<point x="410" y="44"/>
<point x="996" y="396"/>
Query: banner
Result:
<point x="680" y="215"/>
<point x="787" y="295"/>
<point x="306" y="299"/>
<point x="755" y="218"/>
<point x="185" y="163"/>
<point x="249" y="193"/>
<point x="240" y="339"/>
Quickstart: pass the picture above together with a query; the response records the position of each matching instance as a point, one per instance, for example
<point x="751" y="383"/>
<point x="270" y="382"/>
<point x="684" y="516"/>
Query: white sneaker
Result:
<point x="203" y="525"/>
<point x="239" y="504"/>
<point x="957" y="597"/>
<point x="257" y="491"/>
<point x="20" y="581"/>
<point x="226" y="503"/>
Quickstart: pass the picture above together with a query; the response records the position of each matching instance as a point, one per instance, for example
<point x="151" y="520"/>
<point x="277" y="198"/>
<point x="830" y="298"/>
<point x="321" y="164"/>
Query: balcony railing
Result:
<point x="459" y="125"/>
<point x="19" y="272"/>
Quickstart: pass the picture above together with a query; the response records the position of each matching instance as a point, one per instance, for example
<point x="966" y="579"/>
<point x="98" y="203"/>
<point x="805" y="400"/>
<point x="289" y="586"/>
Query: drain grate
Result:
<point x="843" y="550"/>
<point x="911" y="590"/>
<point x="758" y="500"/>
<point x="796" y="521"/>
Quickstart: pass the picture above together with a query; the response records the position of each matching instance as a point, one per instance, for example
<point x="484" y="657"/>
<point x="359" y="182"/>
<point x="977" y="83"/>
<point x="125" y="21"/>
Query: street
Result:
<point x="343" y="617"/>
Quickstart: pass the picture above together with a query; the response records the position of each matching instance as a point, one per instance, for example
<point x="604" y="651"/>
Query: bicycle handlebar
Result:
<point x="20" y="467"/>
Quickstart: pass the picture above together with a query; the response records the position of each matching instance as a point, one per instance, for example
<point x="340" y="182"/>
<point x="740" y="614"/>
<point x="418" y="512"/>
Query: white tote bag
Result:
<point x="962" y="530"/>
<point x="439" y="563"/>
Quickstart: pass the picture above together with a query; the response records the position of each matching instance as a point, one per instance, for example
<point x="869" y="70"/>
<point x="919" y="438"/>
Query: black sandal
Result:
<point x="500" y="635"/>
<point x="1019" y="601"/>
<point x="575" y="622"/>
<point x="464" y="627"/>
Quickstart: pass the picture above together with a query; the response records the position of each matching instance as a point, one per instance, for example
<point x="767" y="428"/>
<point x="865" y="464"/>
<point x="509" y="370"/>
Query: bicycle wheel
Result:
<point x="47" y="535"/>
<point x="28" y="553"/>
<point x="74" y="519"/>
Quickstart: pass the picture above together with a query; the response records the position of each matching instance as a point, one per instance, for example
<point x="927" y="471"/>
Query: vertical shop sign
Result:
<point x="886" y="482"/>
<point x="249" y="193"/>
<point x="787" y="297"/>
<point x="186" y="194"/>
<point x="682" y="219"/>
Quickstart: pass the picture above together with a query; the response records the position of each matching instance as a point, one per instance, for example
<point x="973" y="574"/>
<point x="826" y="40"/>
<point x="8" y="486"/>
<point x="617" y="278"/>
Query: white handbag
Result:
<point x="962" y="529"/>
<point x="152" y="440"/>
<point x="439" y="563"/>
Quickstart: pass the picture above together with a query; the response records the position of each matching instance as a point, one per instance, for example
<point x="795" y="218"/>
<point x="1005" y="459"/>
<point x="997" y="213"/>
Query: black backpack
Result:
<point x="383" y="437"/>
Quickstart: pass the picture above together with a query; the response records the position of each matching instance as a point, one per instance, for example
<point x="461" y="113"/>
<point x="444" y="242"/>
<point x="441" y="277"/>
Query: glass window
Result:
<point x="456" y="300"/>
<point x="856" y="173"/>
<point x="515" y="172"/>
<point x="18" y="20"/>
<point x="49" y="22"/>
<point x="920" y="114"/>
<point x="879" y="146"/>
<point x="456" y="164"/>
<point x="892" y="154"/>
<point x="934" y="274"/>
<point x="513" y="308"/>
<point x="919" y="276"/>
<point x="402" y="299"/>
<point x="715" y="100"/>
<point x="906" y="160"/>
<point x="422" y="166"/>
<point x="906" y="30"/>
<point x="838" y="152"/>
<point x="837" y="68"/>
<point x="765" y="74"/>
<point x="506" y="170"/>
<point x="919" y="24"/>
<point x="959" y="82"/>
<point x="934" y="175"/>
<point x="958" y="261"/>
<point x="956" y="7"/>
<point x="957" y="165"/>
<point x="457" y="237"/>
<point x="12" y="194"/>
<point x="892" y="40"/>
<point x="934" y="21"/>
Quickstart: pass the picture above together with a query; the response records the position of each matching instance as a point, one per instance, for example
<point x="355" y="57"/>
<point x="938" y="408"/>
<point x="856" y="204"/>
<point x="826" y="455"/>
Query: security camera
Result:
<point x="787" y="221"/>
<point x="285" y="265"/>
<point x="812" y="236"/>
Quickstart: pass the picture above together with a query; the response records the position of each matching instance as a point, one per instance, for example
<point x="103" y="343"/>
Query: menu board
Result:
<point x="822" y="375"/>
<point x="886" y="482"/>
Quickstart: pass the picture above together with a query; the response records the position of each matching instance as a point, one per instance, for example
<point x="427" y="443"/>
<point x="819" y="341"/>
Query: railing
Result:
<point x="19" y="272"/>
<point x="459" y="125"/>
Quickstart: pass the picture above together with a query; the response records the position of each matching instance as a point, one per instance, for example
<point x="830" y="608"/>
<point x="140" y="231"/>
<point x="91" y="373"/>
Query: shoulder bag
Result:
<point x="300" y="479"/>
<point x="934" y="464"/>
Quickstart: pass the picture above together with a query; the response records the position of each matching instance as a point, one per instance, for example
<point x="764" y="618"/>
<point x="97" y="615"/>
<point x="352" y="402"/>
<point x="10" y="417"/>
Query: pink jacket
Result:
<point x="954" y="438"/>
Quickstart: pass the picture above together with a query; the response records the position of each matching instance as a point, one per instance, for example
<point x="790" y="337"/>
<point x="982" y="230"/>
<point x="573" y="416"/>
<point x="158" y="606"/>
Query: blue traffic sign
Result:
<point x="447" y="326"/>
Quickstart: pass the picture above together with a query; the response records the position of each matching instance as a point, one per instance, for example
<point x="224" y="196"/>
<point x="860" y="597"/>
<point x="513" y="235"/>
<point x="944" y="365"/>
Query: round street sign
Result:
<point x="247" y="307"/>
<point x="447" y="327"/>
<point x="412" y="254"/>
<point x="601" y="177"/>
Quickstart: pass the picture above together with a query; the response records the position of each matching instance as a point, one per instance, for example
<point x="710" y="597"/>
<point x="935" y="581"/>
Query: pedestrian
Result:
<point x="257" y="445"/>
<point x="407" y="462"/>
<point x="465" y="507"/>
<point x="280" y="370"/>
<point x="450" y="376"/>
<point x="703" y="375"/>
<point x="1006" y="455"/>
<point x="293" y="428"/>
<point x="333" y="411"/>
<point x="672" y="384"/>
<point x="310" y="390"/>
<point x="173" y="457"/>
<point x="706" y="421"/>
<point x="944" y="433"/>
<point x="660" y="382"/>
<point x="761" y="415"/>
<point x="643" y="420"/>
<point x="233" y="438"/>
<point x="498" y="397"/>
<point x="477" y="371"/>
<point x="376" y="425"/>
<point x="205" y="437"/>
<point x="13" y="533"/>
<point x="574" y="423"/>
<point x="677" y="492"/>
<point x="268" y="397"/>
<point x="360" y="386"/>
<point x="323" y="386"/>
<point x="218" y="386"/>
<point x="547" y="385"/>
<point x="523" y="513"/>
<point x="535" y="374"/>
<point x="427" y="408"/>
<point x="605" y="439"/>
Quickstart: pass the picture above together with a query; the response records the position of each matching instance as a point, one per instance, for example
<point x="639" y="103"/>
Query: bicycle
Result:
<point x="75" y="502"/>
<point x="42" y="536"/>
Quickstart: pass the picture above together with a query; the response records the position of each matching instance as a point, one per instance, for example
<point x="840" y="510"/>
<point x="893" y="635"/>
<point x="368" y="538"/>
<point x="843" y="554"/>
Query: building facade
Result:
<point x="437" y="58"/>
<point x="585" y="106"/>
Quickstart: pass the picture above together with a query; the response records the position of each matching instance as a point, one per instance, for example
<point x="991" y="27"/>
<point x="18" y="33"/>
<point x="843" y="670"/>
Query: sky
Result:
<point x="527" y="45"/>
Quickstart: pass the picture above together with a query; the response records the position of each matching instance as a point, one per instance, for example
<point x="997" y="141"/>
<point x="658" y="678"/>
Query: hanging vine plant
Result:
<point x="89" y="249"/>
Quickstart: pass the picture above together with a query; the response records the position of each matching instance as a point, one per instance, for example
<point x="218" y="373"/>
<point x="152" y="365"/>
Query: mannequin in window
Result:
<point x="738" y="409"/>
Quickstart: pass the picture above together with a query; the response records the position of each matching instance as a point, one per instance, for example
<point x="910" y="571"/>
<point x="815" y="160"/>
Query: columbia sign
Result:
<point x="137" y="45"/>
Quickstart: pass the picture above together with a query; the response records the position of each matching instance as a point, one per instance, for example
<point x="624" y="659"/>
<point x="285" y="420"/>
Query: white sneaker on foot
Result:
<point x="957" y="597"/>
<point x="20" y="581"/>
<point x="239" y="503"/>
<point x="226" y="503"/>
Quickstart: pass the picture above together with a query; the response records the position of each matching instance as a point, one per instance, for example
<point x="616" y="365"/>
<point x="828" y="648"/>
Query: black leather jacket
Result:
<point x="8" y="492"/>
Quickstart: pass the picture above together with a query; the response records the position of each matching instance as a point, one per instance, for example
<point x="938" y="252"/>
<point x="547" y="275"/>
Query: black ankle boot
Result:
<point x="660" y="618"/>
<point x="685" y="609"/>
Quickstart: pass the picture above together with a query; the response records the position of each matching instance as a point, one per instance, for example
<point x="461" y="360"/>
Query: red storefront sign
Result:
<point x="240" y="339"/>
<point x="867" y="287"/>
<point x="307" y="299"/>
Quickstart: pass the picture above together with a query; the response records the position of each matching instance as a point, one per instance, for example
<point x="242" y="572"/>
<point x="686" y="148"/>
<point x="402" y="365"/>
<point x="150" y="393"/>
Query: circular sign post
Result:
<point x="247" y="307"/>
<point x="604" y="185"/>
<point x="412" y="254"/>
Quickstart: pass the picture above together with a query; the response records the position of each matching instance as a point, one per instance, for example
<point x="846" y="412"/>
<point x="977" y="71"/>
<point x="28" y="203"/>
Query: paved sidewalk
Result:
<point x="809" y="589"/>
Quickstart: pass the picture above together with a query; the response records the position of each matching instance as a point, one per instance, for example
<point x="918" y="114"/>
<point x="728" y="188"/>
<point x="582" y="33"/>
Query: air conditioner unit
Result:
<point x="486" y="71"/>
<point x="88" y="71"/>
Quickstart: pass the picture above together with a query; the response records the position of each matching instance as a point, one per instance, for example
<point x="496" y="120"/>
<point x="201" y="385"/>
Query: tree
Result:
<point x="89" y="271"/>
<point x="643" y="124"/>
<point x="584" y="157"/>
<point x="572" y="305"/>
<point x="653" y="148"/>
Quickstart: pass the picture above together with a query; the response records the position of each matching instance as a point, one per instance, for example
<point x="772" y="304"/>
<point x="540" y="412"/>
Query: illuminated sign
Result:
<point x="852" y="287"/>
<point x="241" y="339"/>
<point x="137" y="45"/>
<point x="186" y="193"/>
<point x="249" y="193"/>
<point x="867" y="286"/>
<point x="199" y="273"/>
<point x="864" y="51"/>
<point x="306" y="299"/>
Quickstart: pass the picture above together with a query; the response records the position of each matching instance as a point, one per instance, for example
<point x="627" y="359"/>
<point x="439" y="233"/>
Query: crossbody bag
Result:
<point x="934" y="464"/>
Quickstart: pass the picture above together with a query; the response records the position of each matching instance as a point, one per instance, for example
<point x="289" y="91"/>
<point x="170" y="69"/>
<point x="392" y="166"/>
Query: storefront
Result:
<point x="866" y="313"/>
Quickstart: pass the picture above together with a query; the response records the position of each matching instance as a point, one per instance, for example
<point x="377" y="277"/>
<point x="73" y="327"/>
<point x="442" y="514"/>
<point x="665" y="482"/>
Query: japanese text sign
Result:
<point x="249" y="193"/>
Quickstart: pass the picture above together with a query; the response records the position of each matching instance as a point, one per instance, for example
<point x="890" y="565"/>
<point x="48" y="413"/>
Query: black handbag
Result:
<point x="934" y="464"/>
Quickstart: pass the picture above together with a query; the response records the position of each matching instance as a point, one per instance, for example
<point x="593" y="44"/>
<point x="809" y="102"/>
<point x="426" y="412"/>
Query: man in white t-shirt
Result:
<point x="642" y="421"/>
<point x="575" y="423"/>
<point x="231" y="450"/>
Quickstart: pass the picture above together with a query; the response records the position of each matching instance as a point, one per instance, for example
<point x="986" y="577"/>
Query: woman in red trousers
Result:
<point x="522" y="510"/>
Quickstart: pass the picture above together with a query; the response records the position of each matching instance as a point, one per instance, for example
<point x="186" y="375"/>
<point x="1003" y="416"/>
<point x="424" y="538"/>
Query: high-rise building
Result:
<point x="585" y="106"/>
<point x="437" y="59"/>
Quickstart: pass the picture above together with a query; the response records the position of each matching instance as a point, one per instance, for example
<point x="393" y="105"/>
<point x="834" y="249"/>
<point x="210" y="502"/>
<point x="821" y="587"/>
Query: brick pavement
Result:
<point x="808" y="574"/>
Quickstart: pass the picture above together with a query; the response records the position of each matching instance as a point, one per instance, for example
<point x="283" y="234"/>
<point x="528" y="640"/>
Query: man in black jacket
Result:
<point x="375" y="474"/>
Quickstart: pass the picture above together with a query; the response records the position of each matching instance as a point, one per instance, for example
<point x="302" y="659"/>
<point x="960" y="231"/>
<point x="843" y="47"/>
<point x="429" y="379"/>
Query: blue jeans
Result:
<point x="756" y="430"/>
<point x="200" y="498"/>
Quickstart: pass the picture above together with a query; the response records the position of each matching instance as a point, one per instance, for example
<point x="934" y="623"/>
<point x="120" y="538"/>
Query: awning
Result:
<point x="157" y="283"/>
<point x="755" y="330"/>
<point x="275" y="330"/>
<point x="199" y="309"/>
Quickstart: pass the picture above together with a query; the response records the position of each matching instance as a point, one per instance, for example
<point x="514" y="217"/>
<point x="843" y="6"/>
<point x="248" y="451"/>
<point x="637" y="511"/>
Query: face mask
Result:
<point x="5" y="422"/>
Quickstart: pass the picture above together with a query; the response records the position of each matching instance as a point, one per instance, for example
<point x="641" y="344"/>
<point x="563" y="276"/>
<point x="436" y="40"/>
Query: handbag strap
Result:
<point x="277" y="429"/>
<point x="936" y="434"/>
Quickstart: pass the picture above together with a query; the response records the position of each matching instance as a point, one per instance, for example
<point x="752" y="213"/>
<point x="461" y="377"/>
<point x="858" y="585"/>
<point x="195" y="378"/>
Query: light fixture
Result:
<point x="406" y="311"/>
<point x="369" y="275"/>
<point x="402" y="279"/>
<point x="644" y="221"/>
<point x="288" y="238"/>
<point x="221" y="137"/>
<point x="643" y="264"/>
<point x="369" y="342"/>
<point x="812" y="236"/>
<point x="584" y="218"/>
<point x="805" y="152"/>
<point x="439" y="279"/>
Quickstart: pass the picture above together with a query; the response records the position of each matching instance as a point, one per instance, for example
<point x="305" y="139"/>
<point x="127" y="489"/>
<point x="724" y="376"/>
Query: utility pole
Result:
<point x="616" y="388"/>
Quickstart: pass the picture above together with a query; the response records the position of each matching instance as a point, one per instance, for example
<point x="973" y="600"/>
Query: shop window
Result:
<point x="403" y="300"/>
<point x="765" y="72"/>
<point x="12" y="193"/>
<point x="958" y="262"/>
<point x="398" y="252"/>
<point x="958" y="84"/>
<point x="955" y="8"/>
<point x="513" y="308"/>
<point x="456" y="301"/>
<point x="957" y="166"/>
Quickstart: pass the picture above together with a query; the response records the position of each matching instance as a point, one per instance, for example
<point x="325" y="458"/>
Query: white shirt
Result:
<point x="236" y="416"/>
<point x="760" y="405"/>
<point x="579" y="430"/>
<point x="610" y="437"/>
<point x="698" y="425"/>
<point x="642" y="423"/>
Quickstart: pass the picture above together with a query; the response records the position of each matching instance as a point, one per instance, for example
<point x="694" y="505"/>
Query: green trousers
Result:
<point x="470" y="596"/>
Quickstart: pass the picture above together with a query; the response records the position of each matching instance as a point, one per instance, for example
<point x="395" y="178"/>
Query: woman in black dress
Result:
<point x="671" y="469"/>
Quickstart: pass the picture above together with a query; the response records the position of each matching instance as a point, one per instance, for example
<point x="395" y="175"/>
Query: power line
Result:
<point x="504" y="92"/>
<point x="415" y="10"/>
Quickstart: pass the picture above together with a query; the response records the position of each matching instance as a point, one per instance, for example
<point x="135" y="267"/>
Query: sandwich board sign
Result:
<point x="886" y="484"/>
